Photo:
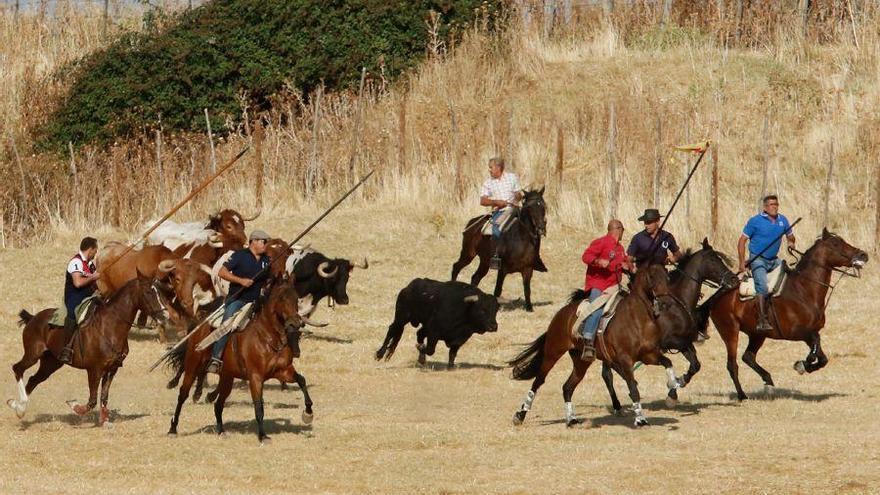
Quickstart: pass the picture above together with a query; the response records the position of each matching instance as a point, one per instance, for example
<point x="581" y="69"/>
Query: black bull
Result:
<point x="319" y="276"/>
<point x="447" y="311"/>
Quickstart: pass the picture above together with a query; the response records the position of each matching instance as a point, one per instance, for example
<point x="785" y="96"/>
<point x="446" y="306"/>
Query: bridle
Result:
<point x="853" y="271"/>
<point x="523" y="215"/>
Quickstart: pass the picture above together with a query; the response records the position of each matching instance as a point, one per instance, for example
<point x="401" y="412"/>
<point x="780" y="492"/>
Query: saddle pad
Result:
<point x="775" y="280"/>
<point x="237" y="322"/>
<point x="83" y="312"/>
<point x="607" y="302"/>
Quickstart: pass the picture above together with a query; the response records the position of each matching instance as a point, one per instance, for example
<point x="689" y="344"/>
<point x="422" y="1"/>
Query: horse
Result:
<point x="679" y="324"/>
<point x="263" y="350"/>
<point x="633" y="334"/>
<point x="520" y="246"/>
<point x="100" y="349"/>
<point x="797" y="314"/>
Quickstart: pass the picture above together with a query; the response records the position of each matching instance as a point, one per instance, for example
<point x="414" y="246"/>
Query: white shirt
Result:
<point x="503" y="188"/>
<point x="76" y="266"/>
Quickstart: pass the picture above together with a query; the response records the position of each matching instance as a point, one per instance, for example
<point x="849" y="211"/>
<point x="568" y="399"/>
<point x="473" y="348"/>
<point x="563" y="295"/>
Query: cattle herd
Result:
<point x="174" y="278"/>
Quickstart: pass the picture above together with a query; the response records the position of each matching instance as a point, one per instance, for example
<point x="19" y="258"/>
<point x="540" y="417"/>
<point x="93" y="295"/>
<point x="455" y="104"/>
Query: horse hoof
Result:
<point x="77" y="408"/>
<point x="799" y="367"/>
<point x="265" y="440"/>
<point x="769" y="390"/>
<point x="518" y="418"/>
<point x="572" y="422"/>
<point x="307" y="418"/>
<point x="171" y="434"/>
<point x="670" y="402"/>
<point x="108" y="425"/>
<point x="617" y="411"/>
<point x="18" y="408"/>
<point x="641" y="421"/>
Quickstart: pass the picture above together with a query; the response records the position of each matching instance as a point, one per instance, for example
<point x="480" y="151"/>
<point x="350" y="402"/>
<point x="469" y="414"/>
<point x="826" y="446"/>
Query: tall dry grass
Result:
<point x="513" y="94"/>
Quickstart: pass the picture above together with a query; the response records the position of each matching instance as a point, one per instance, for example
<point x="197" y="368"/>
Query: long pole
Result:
<point x="785" y="233"/>
<point x="261" y="272"/>
<point x="184" y="201"/>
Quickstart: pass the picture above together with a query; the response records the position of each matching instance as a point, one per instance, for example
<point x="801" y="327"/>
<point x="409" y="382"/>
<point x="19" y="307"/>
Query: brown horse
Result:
<point x="100" y="348"/>
<point x="520" y="246"/>
<point x="798" y="313"/>
<point x="633" y="334"/>
<point x="264" y="349"/>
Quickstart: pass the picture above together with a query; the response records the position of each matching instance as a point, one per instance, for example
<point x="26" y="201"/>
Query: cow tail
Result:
<point x="527" y="364"/>
<point x="24" y="318"/>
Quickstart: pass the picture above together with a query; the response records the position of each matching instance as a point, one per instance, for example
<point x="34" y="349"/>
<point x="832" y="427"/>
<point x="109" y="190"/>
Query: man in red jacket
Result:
<point x="605" y="259"/>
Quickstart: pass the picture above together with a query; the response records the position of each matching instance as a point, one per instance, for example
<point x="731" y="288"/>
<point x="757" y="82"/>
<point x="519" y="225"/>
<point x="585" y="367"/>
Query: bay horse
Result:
<point x="263" y="350"/>
<point x="633" y="334"/>
<point x="679" y="323"/>
<point x="100" y="347"/>
<point x="798" y="313"/>
<point x="520" y="246"/>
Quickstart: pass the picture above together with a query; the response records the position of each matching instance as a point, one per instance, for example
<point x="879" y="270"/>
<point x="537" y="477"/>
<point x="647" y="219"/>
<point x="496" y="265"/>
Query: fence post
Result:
<point x="714" y="156"/>
<point x="765" y="138"/>
<point x="355" y="129"/>
<point x="106" y="16"/>
<point x="667" y="11"/>
<point x="159" y="197"/>
<point x="401" y="139"/>
<point x="75" y="180"/>
<point x="211" y="142"/>
<point x="739" y="20"/>
<point x="259" y="136"/>
<point x="459" y="185"/>
<point x="828" y="178"/>
<point x="611" y="148"/>
<point x="560" y="155"/>
<point x="877" y="210"/>
<point x="658" y="162"/>
<point x="312" y="171"/>
<point x="804" y="9"/>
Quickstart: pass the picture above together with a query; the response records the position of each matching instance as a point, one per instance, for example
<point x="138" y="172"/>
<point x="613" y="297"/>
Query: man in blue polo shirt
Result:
<point x="247" y="271"/>
<point x="764" y="233"/>
<point x="652" y="245"/>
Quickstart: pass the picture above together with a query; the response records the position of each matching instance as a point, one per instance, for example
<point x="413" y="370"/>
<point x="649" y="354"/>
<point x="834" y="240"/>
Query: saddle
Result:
<point x="775" y="280"/>
<point x="84" y="311"/>
<point x="607" y="302"/>
<point x="238" y="321"/>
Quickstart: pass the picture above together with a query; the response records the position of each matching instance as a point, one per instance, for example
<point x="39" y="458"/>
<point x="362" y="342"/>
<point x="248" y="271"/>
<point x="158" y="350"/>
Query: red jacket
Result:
<point x="605" y="248"/>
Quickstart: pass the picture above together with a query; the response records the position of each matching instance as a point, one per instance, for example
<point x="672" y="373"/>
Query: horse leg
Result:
<point x="690" y="353"/>
<point x="816" y="359"/>
<point x="256" y="384"/>
<point x="32" y="354"/>
<point x="527" y="288"/>
<point x="421" y="335"/>
<point x="547" y="362"/>
<point x="453" y="351"/>
<point x="482" y="270"/>
<point x="577" y="374"/>
<point x="608" y="378"/>
<point x="106" y="380"/>
<point x="499" y="281"/>
<point x="673" y="383"/>
<point x="307" y="415"/>
<point x="94" y="380"/>
<point x="748" y="357"/>
<point x="48" y="365"/>
<point x="730" y="334"/>
<point x="625" y="368"/>
<point x="223" y="390"/>
<point x="464" y="259"/>
<point x="182" y="395"/>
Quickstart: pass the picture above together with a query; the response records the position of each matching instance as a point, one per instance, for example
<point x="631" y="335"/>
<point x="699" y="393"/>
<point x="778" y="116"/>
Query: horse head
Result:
<point x="715" y="266"/>
<point x="152" y="300"/>
<point x="651" y="281"/>
<point x="833" y="251"/>
<point x="534" y="210"/>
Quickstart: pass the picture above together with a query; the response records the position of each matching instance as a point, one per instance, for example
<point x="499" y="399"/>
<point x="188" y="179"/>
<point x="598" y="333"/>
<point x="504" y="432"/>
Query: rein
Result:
<point x="844" y="272"/>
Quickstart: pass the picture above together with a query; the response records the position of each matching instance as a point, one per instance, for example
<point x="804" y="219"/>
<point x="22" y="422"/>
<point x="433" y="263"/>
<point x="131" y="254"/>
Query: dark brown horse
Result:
<point x="520" y="246"/>
<point x="679" y="322"/>
<point x="632" y="335"/>
<point x="263" y="350"/>
<point x="100" y="348"/>
<point x="798" y="313"/>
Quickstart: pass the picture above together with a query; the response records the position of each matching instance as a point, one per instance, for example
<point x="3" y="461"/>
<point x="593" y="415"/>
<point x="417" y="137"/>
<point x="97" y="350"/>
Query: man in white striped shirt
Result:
<point x="501" y="191"/>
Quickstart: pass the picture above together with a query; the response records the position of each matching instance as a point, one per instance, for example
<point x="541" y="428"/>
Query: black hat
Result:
<point x="651" y="215"/>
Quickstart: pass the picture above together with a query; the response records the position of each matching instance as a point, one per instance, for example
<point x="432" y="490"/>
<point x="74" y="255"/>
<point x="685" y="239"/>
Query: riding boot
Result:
<point x="495" y="261"/>
<point x="763" y="323"/>
<point x="215" y="366"/>
<point x="588" y="352"/>
<point x="70" y="331"/>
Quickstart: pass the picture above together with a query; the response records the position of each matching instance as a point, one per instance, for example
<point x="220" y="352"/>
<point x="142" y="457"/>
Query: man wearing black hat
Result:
<point x="653" y="245"/>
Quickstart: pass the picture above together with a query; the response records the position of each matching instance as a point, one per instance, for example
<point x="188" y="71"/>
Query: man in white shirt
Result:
<point x="79" y="284"/>
<point x="501" y="192"/>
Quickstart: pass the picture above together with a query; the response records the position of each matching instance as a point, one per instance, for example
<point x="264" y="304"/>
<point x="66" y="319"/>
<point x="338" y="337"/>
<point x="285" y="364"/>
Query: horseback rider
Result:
<point x="764" y="232"/>
<point x="653" y="245"/>
<point x="79" y="284"/>
<point x="605" y="260"/>
<point x="247" y="272"/>
<point x="501" y="191"/>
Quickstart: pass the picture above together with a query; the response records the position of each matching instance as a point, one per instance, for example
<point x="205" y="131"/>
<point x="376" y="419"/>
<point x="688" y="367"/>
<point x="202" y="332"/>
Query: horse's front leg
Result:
<point x="816" y="359"/>
<point x="256" y="384"/>
<point x="94" y="379"/>
<point x="625" y="367"/>
<point x="673" y="383"/>
<point x="307" y="415"/>
<point x="106" y="380"/>
<point x="690" y="353"/>
<point x="527" y="288"/>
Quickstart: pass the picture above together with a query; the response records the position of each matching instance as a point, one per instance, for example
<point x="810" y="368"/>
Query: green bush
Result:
<point x="213" y="54"/>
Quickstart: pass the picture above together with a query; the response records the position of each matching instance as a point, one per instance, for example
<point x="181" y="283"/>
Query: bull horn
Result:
<point x="471" y="298"/>
<point x="322" y="270"/>
<point x="215" y="240"/>
<point x="256" y="215"/>
<point x="166" y="267"/>
<point x="364" y="266"/>
<point x="312" y="323"/>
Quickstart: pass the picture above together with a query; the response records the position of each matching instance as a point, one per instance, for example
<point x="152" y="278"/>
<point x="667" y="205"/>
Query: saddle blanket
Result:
<point x="83" y="311"/>
<point x="607" y="302"/>
<point x="237" y="322"/>
<point x="775" y="281"/>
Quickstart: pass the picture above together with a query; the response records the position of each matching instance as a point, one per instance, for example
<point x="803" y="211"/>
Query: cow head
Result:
<point x="335" y="274"/>
<point x="229" y="224"/>
<point x="189" y="281"/>
<point x="482" y="310"/>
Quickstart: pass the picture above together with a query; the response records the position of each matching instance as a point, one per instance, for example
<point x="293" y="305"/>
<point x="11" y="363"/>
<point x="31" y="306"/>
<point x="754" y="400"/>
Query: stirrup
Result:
<point x="66" y="356"/>
<point x="495" y="262"/>
<point x="588" y="352"/>
<point x="215" y="366"/>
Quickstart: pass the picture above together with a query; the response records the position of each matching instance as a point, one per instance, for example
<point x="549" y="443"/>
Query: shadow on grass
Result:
<point x="520" y="303"/>
<point x="273" y="426"/>
<point x="782" y="394"/>
<point x="90" y="419"/>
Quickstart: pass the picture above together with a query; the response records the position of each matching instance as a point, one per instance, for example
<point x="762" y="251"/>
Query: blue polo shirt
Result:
<point x="244" y="264"/>
<point x="765" y="232"/>
<point x="641" y="244"/>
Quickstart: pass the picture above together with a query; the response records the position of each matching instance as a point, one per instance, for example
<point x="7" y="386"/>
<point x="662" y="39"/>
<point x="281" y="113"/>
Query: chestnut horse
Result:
<point x="798" y="313"/>
<point x="100" y="348"/>
<point x="264" y="349"/>
<point x="633" y="334"/>
<point x="520" y="248"/>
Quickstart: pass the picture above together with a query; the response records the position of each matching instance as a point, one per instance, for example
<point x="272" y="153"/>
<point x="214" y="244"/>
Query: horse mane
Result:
<point x="807" y="257"/>
<point x="577" y="296"/>
<point x="687" y="257"/>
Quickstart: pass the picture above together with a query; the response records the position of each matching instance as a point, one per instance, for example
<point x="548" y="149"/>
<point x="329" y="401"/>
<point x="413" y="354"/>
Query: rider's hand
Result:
<point x="95" y="275"/>
<point x="603" y="263"/>
<point x="245" y="282"/>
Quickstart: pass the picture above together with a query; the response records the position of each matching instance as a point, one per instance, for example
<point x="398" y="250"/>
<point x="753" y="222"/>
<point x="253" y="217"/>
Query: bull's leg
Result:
<point x="453" y="351"/>
<point x="308" y="414"/>
<point x="816" y="359"/>
<point x="750" y="355"/>
<point x="392" y="337"/>
<point x="568" y="388"/>
<point x="608" y="378"/>
<point x="94" y="380"/>
<point x="527" y="288"/>
<point x="256" y="385"/>
<point x="421" y="335"/>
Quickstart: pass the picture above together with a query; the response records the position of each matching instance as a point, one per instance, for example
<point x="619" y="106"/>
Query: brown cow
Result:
<point x="115" y="274"/>
<point x="190" y="282"/>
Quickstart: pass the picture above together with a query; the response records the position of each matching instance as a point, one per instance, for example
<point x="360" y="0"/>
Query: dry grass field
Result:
<point x="392" y="427"/>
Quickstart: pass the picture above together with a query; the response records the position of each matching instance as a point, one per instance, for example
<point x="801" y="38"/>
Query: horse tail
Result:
<point x="24" y="318"/>
<point x="528" y="363"/>
<point x="174" y="361"/>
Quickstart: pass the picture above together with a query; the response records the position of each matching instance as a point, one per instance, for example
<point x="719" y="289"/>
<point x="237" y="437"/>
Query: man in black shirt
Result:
<point x="646" y="247"/>
<point x="247" y="271"/>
